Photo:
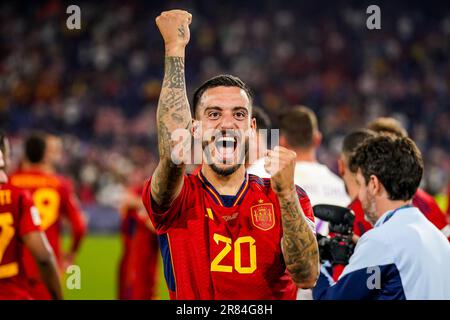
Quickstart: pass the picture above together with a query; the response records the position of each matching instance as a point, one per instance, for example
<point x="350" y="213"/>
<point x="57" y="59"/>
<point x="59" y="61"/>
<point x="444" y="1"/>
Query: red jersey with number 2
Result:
<point x="16" y="220"/>
<point x="215" y="247"/>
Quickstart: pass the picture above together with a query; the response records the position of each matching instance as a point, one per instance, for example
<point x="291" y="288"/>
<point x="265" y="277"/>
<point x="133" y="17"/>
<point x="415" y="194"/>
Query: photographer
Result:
<point x="404" y="256"/>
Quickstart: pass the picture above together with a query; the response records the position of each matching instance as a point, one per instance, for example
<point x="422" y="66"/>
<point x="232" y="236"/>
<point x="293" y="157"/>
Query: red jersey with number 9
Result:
<point x="54" y="198"/>
<point x="217" y="247"/>
<point x="16" y="220"/>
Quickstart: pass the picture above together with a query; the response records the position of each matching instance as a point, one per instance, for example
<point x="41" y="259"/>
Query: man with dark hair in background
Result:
<point x="422" y="200"/>
<point x="404" y="256"/>
<point x="299" y="131"/>
<point x="54" y="198"/>
<point x="350" y="144"/>
<point x="19" y="227"/>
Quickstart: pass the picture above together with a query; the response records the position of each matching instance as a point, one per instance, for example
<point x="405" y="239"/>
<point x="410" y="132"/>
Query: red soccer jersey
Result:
<point x="448" y="198"/>
<point x="211" y="251"/>
<point x="137" y="278"/>
<point x="16" y="220"/>
<point x="127" y="229"/>
<point x="54" y="197"/>
<point x="428" y="206"/>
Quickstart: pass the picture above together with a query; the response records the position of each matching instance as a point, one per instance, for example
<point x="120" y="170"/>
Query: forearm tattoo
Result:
<point x="173" y="113"/>
<point x="300" y="250"/>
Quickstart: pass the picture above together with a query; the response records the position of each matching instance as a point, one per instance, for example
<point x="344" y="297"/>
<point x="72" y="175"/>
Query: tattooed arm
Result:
<point x="300" y="249"/>
<point x="173" y="107"/>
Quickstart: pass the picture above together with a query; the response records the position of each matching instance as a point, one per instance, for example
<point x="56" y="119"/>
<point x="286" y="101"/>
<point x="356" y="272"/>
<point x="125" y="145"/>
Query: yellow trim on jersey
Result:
<point x="242" y="192"/>
<point x="210" y="213"/>
<point x="9" y="270"/>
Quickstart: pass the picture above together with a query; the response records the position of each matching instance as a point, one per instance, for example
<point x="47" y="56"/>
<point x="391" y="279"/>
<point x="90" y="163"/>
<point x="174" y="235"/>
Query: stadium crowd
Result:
<point x="98" y="87"/>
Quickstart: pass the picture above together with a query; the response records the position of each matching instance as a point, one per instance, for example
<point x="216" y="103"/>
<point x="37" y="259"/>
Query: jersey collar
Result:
<point x="215" y="195"/>
<point x="389" y="214"/>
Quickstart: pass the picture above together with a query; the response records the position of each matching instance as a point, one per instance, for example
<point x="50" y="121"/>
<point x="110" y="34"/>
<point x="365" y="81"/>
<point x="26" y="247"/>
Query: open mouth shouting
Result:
<point x="225" y="147"/>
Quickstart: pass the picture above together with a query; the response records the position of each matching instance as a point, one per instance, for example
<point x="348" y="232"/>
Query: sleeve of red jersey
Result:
<point x="72" y="210"/>
<point x="29" y="215"/>
<point x="162" y="220"/>
<point x="305" y="203"/>
<point x="429" y="207"/>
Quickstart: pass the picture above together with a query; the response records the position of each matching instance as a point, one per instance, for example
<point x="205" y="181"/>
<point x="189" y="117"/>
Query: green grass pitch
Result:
<point x="99" y="261"/>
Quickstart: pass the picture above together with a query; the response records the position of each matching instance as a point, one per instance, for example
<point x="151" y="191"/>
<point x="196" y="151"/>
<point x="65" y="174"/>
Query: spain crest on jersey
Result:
<point x="263" y="216"/>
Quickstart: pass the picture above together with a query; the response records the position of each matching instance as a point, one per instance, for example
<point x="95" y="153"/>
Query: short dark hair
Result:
<point x="35" y="147"/>
<point x="395" y="161"/>
<point x="262" y="118"/>
<point x="223" y="80"/>
<point x="298" y="124"/>
<point x="354" y="139"/>
<point x="387" y="125"/>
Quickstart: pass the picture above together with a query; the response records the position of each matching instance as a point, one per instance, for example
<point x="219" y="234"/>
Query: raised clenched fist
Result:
<point x="280" y="163"/>
<point x="174" y="28"/>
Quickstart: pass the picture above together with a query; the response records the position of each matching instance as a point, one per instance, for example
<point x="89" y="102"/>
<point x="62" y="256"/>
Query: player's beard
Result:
<point x="370" y="209"/>
<point x="242" y="154"/>
<point x="225" y="172"/>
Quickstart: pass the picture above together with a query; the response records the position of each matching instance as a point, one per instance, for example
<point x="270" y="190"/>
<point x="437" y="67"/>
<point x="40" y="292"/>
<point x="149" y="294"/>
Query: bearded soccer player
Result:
<point x="19" y="226"/>
<point x="54" y="198"/>
<point x="224" y="234"/>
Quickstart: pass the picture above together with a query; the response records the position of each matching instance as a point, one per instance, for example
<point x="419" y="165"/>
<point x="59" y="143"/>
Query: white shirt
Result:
<point x="257" y="168"/>
<point x="321" y="184"/>
<point x="322" y="187"/>
<point x="410" y="257"/>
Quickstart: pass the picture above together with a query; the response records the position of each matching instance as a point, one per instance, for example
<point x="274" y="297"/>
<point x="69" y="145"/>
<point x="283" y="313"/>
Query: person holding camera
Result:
<point x="404" y="256"/>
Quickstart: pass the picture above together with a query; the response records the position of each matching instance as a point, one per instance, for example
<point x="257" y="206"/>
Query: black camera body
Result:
<point x="337" y="247"/>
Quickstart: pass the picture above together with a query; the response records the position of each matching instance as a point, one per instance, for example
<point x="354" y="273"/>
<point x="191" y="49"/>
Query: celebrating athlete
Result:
<point x="224" y="234"/>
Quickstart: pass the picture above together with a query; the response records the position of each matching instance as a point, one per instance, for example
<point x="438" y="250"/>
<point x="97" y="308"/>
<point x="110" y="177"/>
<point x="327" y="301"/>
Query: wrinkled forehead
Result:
<point x="224" y="98"/>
